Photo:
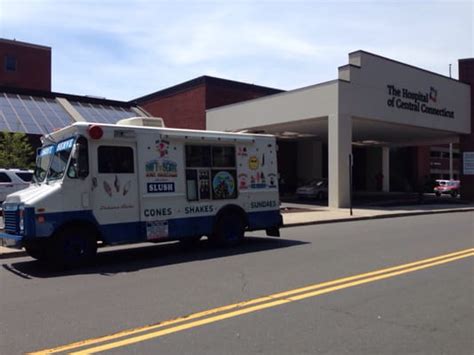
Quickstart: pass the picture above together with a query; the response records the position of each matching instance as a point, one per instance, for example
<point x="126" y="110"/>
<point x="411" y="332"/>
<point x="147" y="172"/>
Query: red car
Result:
<point x="447" y="187"/>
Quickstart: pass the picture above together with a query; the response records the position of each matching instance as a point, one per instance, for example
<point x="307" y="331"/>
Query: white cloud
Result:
<point x="124" y="49"/>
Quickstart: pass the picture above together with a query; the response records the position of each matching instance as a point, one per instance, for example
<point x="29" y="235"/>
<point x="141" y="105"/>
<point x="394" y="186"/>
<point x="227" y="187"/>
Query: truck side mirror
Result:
<point x="82" y="174"/>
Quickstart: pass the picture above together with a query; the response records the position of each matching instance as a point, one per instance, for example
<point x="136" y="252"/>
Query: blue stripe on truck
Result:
<point x="119" y="233"/>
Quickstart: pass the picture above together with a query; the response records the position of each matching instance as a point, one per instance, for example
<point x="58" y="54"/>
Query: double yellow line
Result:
<point x="137" y="335"/>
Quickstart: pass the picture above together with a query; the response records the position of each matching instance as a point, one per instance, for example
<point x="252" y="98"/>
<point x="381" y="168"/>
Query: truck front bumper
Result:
<point x="11" y="240"/>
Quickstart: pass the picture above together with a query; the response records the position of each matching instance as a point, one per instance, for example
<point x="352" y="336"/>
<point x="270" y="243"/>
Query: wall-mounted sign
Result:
<point x="417" y="101"/>
<point x="468" y="163"/>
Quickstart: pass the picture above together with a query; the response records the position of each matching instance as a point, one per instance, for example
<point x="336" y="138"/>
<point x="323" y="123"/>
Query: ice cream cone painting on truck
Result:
<point x="139" y="181"/>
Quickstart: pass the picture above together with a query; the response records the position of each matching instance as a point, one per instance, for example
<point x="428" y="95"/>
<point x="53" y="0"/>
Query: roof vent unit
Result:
<point x="142" y="121"/>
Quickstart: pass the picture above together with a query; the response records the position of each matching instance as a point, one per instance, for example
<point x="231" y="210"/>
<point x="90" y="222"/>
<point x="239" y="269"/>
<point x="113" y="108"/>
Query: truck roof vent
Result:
<point x="142" y="121"/>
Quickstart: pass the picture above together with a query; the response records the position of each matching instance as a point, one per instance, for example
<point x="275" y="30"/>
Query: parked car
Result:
<point x="447" y="187"/>
<point x="12" y="180"/>
<point x="317" y="188"/>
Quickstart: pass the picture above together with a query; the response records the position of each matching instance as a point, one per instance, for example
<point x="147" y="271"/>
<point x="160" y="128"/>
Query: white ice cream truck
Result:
<point x="138" y="181"/>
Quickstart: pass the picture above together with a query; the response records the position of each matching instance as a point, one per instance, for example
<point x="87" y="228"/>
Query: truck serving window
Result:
<point x="210" y="172"/>
<point x="115" y="160"/>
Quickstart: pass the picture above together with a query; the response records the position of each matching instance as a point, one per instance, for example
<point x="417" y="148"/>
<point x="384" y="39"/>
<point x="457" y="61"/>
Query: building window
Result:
<point x="210" y="172"/>
<point x="115" y="160"/>
<point x="10" y="63"/>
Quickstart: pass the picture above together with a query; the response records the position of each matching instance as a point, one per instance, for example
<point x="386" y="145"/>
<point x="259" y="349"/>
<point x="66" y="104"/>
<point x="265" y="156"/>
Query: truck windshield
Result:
<point x="51" y="160"/>
<point x="60" y="159"/>
<point x="43" y="160"/>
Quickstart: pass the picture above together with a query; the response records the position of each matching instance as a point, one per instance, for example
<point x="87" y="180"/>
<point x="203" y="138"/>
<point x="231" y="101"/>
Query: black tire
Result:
<point x="229" y="230"/>
<point x="74" y="246"/>
<point x="38" y="249"/>
<point x="454" y="193"/>
<point x="438" y="194"/>
<point x="190" y="242"/>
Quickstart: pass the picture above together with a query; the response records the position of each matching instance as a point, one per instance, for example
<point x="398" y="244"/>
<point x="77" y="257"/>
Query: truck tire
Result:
<point x="190" y="242"/>
<point x="38" y="249"/>
<point x="229" y="230"/>
<point x="74" y="246"/>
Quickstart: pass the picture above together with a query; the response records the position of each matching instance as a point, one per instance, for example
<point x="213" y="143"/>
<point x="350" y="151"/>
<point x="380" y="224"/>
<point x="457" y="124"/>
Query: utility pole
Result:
<point x="450" y="146"/>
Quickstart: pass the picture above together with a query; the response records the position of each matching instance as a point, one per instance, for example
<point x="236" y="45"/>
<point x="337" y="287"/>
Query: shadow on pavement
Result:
<point x="111" y="262"/>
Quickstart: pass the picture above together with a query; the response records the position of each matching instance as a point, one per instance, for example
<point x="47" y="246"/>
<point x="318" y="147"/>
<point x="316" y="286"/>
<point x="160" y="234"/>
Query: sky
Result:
<point x="126" y="49"/>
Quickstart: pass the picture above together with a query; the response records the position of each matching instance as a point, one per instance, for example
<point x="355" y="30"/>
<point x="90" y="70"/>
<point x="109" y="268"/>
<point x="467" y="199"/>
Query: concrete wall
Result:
<point x="311" y="102"/>
<point x="466" y="74"/>
<point x="367" y="95"/>
<point x="371" y="91"/>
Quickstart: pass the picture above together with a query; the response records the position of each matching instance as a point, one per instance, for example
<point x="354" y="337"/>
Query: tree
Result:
<point x="15" y="151"/>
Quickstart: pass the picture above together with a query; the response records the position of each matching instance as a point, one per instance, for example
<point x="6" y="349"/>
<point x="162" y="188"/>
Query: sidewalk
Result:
<point x="300" y="214"/>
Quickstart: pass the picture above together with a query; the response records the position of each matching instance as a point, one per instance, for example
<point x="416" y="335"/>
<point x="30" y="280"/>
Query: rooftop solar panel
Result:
<point x="32" y="115"/>
<point x="42" y="115"/>
<point x="102" y="113"/>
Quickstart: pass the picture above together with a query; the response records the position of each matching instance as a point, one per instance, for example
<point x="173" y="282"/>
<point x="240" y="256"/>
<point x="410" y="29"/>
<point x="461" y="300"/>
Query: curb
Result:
<point x="21" y="253"/>
<point x="381" y="216"/>
<point x="13" y="254"/>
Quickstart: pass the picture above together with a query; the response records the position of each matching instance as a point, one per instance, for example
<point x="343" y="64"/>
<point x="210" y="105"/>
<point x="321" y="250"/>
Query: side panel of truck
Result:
<point x="174" y="205"/>
<point x="114" y="190"/>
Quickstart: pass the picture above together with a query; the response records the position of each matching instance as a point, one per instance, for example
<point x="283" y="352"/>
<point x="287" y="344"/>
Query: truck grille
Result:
<point x="12" y="221"/>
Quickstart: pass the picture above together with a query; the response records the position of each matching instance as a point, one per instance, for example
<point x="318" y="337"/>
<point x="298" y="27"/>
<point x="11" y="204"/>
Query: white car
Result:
<point x="317" y="188"/>
<point x="12" y="180"/>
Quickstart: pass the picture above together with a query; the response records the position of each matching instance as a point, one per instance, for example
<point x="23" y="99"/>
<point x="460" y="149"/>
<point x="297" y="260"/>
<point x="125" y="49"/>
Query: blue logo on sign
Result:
<point x="159" y="187"/>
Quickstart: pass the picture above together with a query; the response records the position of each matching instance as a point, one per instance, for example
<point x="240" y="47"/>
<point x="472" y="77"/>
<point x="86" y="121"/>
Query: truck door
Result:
<point x="115" y="191"/>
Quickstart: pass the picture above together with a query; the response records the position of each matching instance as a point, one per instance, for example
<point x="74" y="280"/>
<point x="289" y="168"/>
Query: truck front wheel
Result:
<point x="74" y="246"/>
<point x="37" y="249"/>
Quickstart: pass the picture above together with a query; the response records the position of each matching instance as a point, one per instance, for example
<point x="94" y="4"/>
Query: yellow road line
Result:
<point x="268" y="301"/>
<point x="214" y="319"/>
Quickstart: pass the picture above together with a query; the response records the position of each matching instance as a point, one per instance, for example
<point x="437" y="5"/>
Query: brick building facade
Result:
<point x="466" y="75"/>
<point x="25" y="65"/>
<point x="185" y="105"/>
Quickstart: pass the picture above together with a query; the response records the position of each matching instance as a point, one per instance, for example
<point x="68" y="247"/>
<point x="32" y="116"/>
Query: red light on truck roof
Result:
<point x="95" y="132"/>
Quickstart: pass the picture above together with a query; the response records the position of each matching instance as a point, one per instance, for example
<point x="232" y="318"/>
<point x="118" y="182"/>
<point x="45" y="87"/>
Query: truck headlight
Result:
<point x="21" y="214"/>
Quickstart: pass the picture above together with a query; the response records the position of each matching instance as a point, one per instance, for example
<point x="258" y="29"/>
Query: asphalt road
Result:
<point x="424" y="308"/>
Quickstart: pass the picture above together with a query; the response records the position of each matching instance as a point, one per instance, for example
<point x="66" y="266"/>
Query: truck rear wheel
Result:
<point x="74" y="246"/>
<point x="229" y="230"/>
<point x="190" y="242"/>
